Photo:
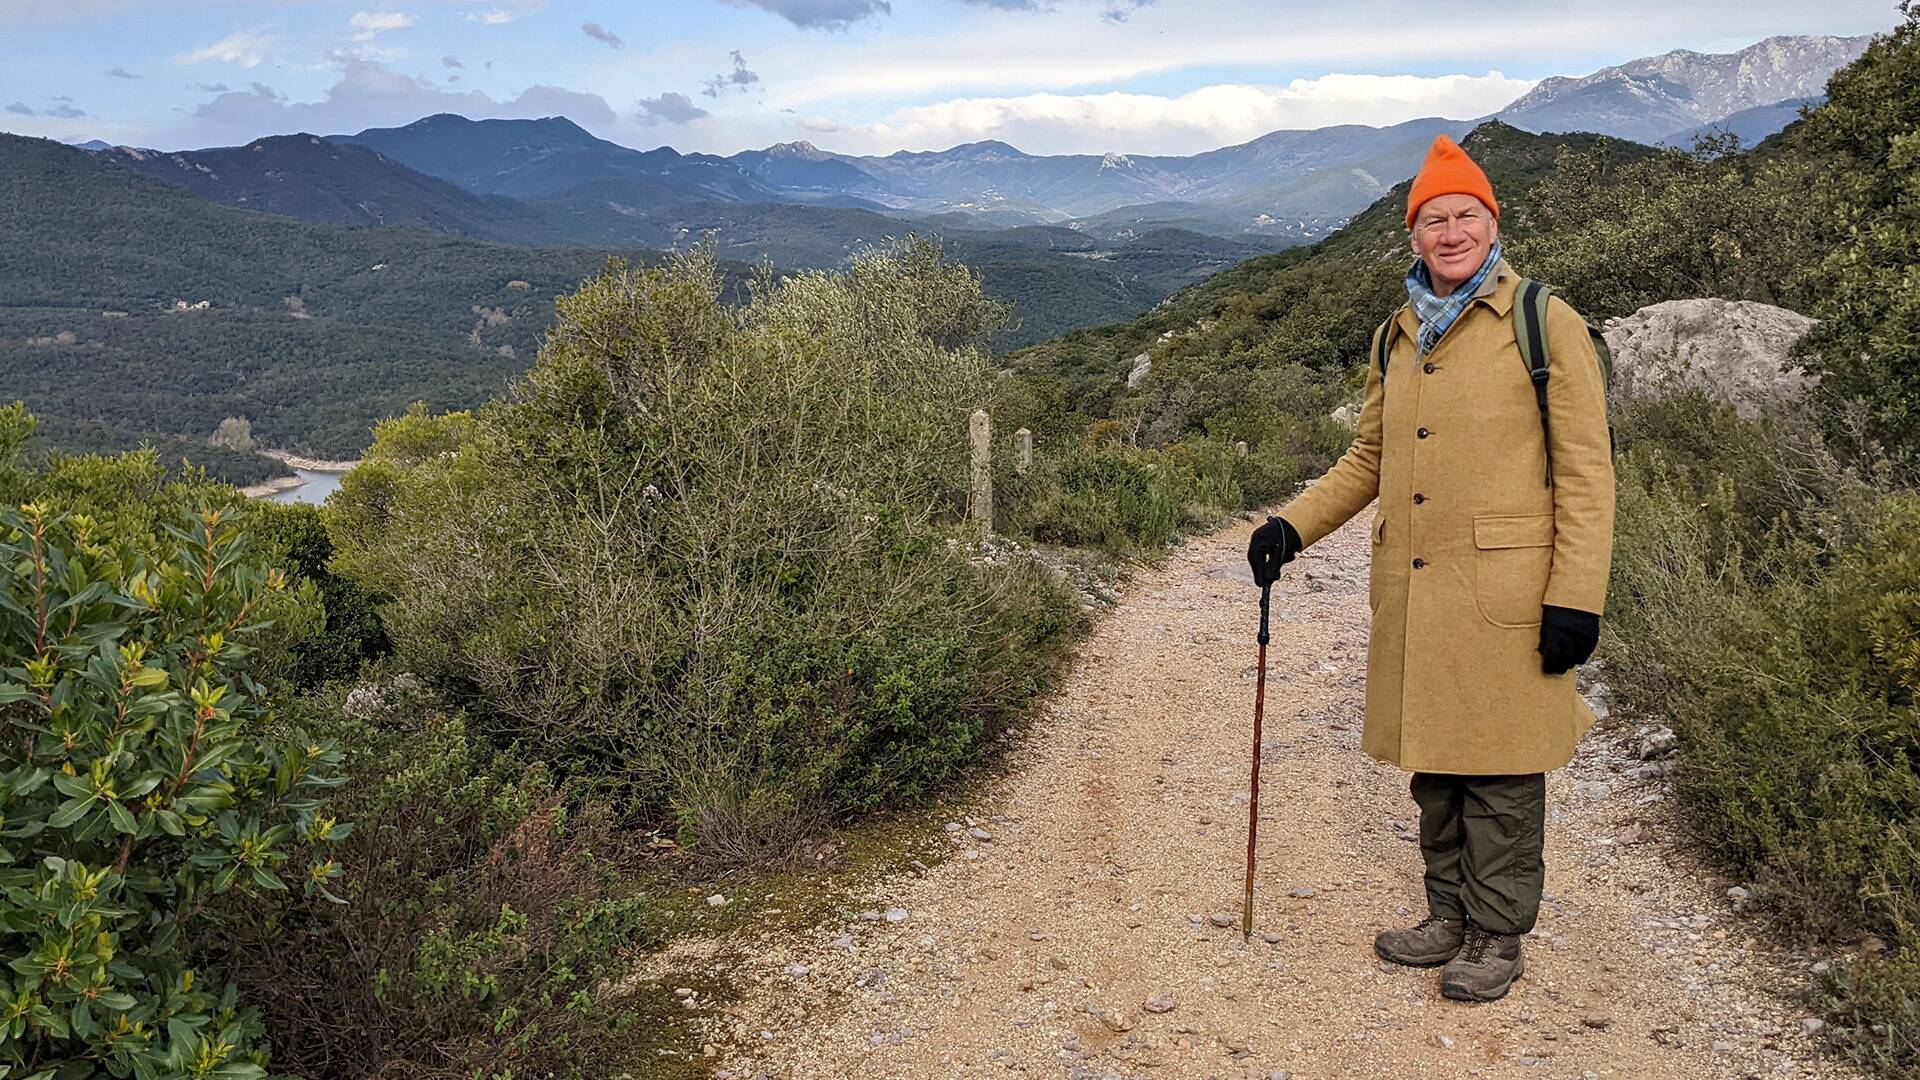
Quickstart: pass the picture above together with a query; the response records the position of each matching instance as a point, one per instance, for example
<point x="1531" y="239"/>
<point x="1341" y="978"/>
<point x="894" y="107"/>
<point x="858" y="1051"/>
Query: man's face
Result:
<point x="1452" y="235"/>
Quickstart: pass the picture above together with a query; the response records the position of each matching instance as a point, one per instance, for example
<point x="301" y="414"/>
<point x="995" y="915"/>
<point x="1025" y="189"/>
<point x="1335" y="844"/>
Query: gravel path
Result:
<point x="1075" y="931"/>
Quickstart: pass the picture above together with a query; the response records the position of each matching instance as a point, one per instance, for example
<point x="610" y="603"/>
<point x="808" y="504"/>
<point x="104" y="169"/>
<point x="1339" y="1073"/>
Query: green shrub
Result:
<point x="349" y="632"/>
<point x="1867" y="343"/>
<point x="1794" y="700"/>
<point x="1876" y="1010"/>
<point x="698" y="556"/>
<point x="1117" y="498"/>
<point x="146" y="793"/>
<point x="486" y="922"/>
<point x="1615" y="237"/>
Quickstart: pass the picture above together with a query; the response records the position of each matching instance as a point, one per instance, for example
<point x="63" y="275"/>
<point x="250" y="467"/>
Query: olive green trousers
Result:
<point x="1481" y="837"/>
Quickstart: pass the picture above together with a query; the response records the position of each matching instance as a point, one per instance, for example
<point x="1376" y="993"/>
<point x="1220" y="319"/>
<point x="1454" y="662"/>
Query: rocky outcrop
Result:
<point x="1738" y="350"/>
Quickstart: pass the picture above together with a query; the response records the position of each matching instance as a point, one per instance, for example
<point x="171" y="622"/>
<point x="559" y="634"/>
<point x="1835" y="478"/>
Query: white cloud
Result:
<point x="500" y="12"/>
<point x="1202" y="119"/>
<point x="371" y="23"/>
<point x="1021" y="51"/>
<point x="244" y="47"/>
<point x="363" y="50"/>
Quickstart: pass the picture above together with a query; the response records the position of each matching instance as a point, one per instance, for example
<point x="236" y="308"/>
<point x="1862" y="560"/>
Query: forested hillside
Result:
<point x="1313" y="306"/>
<point x="303" y="176"/>
<point x="129" y="308"/>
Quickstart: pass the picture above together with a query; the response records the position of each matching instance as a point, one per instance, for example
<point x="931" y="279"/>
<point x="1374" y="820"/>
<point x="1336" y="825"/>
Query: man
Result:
<point x="1491" y="544"/>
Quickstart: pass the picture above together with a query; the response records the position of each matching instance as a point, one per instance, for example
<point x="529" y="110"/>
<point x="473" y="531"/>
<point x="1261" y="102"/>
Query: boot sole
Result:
<point x="1461" y="993"/>
<point x="1432" y="961"/>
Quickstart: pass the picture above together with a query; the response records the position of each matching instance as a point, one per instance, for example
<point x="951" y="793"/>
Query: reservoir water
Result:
<point x="318" y="485"/>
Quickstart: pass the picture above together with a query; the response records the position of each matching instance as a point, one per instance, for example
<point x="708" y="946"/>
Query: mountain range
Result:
<point x="549" y="181"/>
<point x="345" y="275"/>
<point x="1666" y="98"/>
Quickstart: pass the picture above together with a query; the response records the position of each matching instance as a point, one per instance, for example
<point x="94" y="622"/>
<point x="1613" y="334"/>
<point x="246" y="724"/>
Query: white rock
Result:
<point x="1737" y="350"/>
<point x="716" y="901"/>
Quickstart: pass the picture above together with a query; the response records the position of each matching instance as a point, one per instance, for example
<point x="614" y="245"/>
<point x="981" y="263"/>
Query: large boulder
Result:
<point x="1141" y="365"/>
<point x="1739" y="350"/>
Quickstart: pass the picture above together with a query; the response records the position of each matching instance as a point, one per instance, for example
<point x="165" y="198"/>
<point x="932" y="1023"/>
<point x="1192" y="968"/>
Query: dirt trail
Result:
<point x="1087" y="884"/>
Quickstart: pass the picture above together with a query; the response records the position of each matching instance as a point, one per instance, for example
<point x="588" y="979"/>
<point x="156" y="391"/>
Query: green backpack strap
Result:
<point x="1530" y="333"/>
<point x="1383" y="351"/>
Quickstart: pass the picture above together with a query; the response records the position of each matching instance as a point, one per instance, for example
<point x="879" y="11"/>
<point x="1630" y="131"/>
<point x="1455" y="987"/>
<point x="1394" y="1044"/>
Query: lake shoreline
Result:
<point x="308" y="469"/>
<point x="272" y="487"/>
<point x="312" y="464"/>
<point x="305" y="467"/>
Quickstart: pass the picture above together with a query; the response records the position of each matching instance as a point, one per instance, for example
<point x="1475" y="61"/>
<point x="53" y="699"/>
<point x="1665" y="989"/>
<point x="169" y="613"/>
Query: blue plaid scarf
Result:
<point x="1438" y="312"/>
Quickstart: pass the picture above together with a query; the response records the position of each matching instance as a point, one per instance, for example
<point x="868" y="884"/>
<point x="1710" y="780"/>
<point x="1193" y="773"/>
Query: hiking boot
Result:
<point x="1487" y="965"/>
<point x="1433" y="942"/>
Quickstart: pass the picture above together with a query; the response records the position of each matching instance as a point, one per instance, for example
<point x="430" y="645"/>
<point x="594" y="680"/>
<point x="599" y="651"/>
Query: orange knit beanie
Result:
<point x="1449" y="171"/>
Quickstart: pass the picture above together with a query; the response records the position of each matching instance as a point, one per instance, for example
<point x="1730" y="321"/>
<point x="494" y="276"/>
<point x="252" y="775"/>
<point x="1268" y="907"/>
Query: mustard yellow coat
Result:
<point x="1469" y="541"/>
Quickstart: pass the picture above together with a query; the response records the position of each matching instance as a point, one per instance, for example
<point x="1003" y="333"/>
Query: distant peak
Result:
<point x="800" y="148"/>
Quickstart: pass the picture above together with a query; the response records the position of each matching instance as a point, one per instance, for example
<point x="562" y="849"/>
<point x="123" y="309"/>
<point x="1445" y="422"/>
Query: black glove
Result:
<point x="1272" y="545"/>
<point x="1567" y="638"/>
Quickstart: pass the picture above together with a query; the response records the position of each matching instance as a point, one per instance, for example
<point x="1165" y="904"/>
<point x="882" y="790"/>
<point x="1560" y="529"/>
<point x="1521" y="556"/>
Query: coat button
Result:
<point x="1418" y="498"/>
<point x="1428" y="369"/>
<point x="1423" y="433"/>
<point x="1418" y="563"/>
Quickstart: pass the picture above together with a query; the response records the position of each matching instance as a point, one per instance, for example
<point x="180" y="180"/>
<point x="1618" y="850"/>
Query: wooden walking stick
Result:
<point x="1253" y="787"/>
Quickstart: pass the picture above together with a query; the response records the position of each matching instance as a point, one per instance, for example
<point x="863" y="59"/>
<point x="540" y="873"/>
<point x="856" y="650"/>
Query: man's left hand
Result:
<point x="1567" y="638"/>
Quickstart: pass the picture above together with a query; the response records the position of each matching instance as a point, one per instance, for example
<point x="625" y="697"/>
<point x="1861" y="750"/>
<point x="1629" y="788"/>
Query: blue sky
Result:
<point x="858" y="76"/>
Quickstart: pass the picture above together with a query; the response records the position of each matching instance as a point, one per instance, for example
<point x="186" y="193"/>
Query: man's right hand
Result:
<point x="1273" y="545"/>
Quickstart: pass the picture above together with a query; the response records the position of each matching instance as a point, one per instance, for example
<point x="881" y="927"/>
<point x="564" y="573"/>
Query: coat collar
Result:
<point x="1496" y="291"/>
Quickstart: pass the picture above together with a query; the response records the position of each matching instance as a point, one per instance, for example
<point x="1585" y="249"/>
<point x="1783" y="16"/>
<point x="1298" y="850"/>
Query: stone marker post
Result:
<point x="1022" y="451"/>
<point x="1240" y="448"/>
<point x="980" y="492"/>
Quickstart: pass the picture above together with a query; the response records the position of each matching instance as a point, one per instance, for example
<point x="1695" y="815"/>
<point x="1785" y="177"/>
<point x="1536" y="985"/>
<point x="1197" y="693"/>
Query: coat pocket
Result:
<point x="1513" y="556"/>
